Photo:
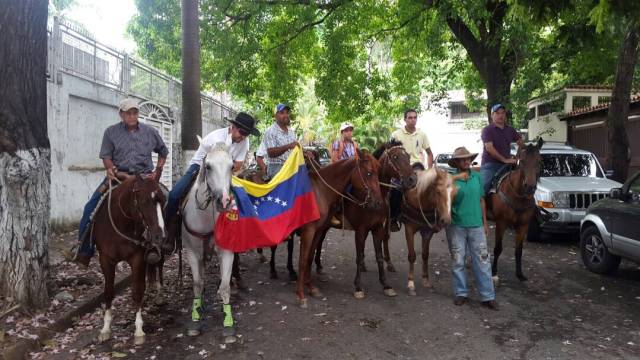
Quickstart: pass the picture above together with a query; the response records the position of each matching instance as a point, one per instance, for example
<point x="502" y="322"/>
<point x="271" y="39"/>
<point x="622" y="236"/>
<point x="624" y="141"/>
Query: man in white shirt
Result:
<point x="235" y="137"/>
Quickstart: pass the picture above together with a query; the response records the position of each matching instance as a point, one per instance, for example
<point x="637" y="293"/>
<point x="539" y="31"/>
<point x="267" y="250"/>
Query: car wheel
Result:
<point x="595" y="255"/>
<point x="535" y="231"/>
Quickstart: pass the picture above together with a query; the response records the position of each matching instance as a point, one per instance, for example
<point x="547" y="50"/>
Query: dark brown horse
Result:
<point x="513" y="204"/>
<point x="330" y="185"/>
<point x="125" y="228"/>
<point x="427" y="209"/>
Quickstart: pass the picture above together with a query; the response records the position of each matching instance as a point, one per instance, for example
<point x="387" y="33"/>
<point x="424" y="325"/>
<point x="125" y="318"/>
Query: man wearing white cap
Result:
<point x="345" y="147"/>
<point x="126" y="147"/>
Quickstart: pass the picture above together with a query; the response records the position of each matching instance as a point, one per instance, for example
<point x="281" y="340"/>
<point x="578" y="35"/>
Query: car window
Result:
<point x="443" y="158"/>
<point x="570" y="165"/>
<point x="634" y="187"/>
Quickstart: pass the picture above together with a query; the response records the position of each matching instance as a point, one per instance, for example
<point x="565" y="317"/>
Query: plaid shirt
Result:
<point x="276" y="137"/>
<point x="130" y="151"/>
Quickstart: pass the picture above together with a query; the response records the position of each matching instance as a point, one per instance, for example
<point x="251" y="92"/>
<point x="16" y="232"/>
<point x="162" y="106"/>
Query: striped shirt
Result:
<point x="130" y="151"/>
<point x="275" y="137"/>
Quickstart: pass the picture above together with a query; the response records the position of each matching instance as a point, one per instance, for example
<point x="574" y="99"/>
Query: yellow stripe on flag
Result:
<point x="289" y="169"/>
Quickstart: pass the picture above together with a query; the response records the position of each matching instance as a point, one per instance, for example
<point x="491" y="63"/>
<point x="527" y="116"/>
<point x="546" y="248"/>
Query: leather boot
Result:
<point x="168" y="245"/>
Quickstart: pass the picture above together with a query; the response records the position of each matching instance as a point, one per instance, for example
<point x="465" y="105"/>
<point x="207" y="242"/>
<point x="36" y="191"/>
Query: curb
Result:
<point x="22" y="348"/>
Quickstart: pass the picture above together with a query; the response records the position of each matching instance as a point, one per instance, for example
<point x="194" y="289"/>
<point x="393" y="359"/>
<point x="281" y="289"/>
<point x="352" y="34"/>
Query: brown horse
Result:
<point x="329" y="185"/>
<point x="513" y="204"/>
<point x="426" y="208"/>
<point x="124" y="229"/>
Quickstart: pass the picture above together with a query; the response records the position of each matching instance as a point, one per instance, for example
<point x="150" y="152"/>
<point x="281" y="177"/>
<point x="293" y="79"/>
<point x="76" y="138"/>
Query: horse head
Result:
<point x="395" y="165"/>
<point x="147" y="201"/>
<point x="364" y="180"/>
<point x="215" y="173"/>
<point x="529" y="163"/>
<point x="434" y="189"/>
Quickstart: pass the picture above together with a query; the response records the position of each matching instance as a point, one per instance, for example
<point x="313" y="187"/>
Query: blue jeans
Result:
<point x="471" y="241"/>
<point x="178" y="191"/>
<point x="488" y="171"/>
<point x="88" y="248"/>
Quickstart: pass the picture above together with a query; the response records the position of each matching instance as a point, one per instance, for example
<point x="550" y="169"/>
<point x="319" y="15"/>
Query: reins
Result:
<point x="136" y="242"/>
<point x="350" y="197"/>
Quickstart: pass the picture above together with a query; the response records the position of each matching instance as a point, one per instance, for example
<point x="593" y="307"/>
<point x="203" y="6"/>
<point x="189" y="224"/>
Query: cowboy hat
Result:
<point x="461" y="153"/>
<point x="246" y="122"/>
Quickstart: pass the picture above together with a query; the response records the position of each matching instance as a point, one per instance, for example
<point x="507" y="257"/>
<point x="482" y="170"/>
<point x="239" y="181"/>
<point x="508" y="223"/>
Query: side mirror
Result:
<point x="475" y="163"/>
<point x="608" y="173"/>
<point x="615" y="193"/>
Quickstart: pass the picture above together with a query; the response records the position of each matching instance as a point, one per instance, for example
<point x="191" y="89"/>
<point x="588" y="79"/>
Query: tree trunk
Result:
<point x="25" y="152"/>
<point x="618" y="150"/>
<point x="191" y="105"/>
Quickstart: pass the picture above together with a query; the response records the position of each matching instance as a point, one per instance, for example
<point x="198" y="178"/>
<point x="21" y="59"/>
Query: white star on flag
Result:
<point x="257" y="202"/>
<point x="269" y="198"/>
<point x="277" y="201"/>
<point x="284" y="204"/>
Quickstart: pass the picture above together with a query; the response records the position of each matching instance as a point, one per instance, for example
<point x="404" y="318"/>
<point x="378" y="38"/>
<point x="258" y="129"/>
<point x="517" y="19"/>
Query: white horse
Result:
<point x="207" y="197"/>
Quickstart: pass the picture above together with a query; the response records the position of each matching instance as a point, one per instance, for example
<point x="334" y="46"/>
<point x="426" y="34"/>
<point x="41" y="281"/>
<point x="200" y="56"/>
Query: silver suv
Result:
<point x="571" y="180"/>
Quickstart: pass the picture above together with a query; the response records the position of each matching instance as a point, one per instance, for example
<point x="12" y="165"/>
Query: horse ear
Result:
<point x="540" y="143"/>
<point x="199" y="139"/>
<point x="201" y="172"/>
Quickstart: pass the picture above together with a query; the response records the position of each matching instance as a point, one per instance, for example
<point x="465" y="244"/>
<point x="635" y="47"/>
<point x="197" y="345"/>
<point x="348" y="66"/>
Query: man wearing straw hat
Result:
<point x="467" y="234"/>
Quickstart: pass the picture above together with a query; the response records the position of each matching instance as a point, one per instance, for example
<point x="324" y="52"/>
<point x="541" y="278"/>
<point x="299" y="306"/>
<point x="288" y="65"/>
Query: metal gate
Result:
<point x="155" y="116"/>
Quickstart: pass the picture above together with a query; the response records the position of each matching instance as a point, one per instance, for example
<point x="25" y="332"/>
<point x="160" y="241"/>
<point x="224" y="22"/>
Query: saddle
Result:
<point x="499" y="176"/>
<point x="423" y="219"/>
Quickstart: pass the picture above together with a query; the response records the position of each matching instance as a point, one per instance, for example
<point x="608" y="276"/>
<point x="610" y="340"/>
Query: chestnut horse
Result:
<point x="513" y="204"/>
<point x="124" y="228"/>
<point x="425" y="208"/>
<point x="395" y="171"/>
<point x="330" y="184"/>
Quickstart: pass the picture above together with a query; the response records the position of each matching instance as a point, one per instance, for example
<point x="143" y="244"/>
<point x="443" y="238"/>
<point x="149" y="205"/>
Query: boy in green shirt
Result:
<point x="468" y="230"/>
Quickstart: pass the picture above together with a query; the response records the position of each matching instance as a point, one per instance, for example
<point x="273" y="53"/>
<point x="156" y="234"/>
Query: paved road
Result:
<point x="562" y="312"/>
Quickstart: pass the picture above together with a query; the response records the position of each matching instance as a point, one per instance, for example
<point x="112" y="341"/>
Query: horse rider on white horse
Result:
<point x="235" y="137"/>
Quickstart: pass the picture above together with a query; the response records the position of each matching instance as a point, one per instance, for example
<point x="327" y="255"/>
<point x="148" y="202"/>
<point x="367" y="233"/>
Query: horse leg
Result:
<point x="426" y="242"/>
<point x="385" y="242"/>
<point x="292" y="272"/>
<point x="306" y="240"/>
<point x="520" y="235"/>
<point x="378" y="236"/>
<point x="272" y="262"/>
<point x="235" y="273"/>
<point x="109" y="272"/>
<point x="261" y="257"/>
<point x="138" y="270"/>
<point x="318" y="254"/>
<point x="195" y="253"/>
<point x="154" y="276"/>
<point x="359" y="238"/>
<point x="224" y="291"/>
<point x="497" y="250"/>
<point x="409" y="233"/>
<point x="313" y="291"/>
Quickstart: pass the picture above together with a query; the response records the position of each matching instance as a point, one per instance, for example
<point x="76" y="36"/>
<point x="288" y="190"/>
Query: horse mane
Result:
<point x="380" y="150"/>
<point x="425" y="179"/>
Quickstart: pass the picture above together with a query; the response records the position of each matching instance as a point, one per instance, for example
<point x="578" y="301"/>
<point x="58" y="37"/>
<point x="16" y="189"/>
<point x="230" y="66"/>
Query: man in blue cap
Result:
<point x="497" y="138"/>
<point x="279" y="140"/>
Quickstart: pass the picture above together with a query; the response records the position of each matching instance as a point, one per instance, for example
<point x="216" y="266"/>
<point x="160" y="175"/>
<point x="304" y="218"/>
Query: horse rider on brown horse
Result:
<point x="126" y="148"/>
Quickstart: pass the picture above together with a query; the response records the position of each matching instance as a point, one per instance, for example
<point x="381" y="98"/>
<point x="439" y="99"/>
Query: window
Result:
<point x="570" y="165"/>
<point x="458" y="110"/>
<point x="634" y="187"/>
<point x="604" y="99"/>
<point x="443" y="158"/>
<point x="556" y="105"/>
<point x="579" y="102"/>
<point x="531" y="113"/>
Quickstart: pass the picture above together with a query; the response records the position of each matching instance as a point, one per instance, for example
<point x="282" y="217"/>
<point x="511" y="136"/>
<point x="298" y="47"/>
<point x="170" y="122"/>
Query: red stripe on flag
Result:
<point x="241" y="234"/>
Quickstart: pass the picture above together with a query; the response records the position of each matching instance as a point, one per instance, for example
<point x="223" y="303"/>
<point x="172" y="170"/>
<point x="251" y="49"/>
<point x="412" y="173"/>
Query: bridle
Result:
<point x="315" y="167"/>
<point x="519" y="196"/>
<point x="393" y="166"/>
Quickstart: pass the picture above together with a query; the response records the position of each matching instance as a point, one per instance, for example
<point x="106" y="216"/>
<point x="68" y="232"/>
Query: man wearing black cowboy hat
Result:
<point x="235" y="137"/>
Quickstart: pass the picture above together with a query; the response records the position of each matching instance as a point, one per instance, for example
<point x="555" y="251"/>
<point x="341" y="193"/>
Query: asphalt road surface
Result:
<point x="562" y="312"/>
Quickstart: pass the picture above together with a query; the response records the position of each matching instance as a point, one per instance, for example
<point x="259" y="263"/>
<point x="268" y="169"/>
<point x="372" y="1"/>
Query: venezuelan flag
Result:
<point x="265" y="214"/>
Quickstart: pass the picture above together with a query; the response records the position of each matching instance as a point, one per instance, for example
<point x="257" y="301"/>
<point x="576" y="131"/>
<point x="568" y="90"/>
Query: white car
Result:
<point x="571" y="180"/>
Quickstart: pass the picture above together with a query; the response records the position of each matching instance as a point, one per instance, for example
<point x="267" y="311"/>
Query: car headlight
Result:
<point x="560" y="200"/>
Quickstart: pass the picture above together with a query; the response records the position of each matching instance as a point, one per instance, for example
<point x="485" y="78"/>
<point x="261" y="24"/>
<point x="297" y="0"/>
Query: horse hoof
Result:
<point x="193" y="332"/>
<point x="496" y="281"/>
<point x="102" y="337"/>
<point x="322" y="277"/>
<point x="358" y="295"/>
<point x="274" y="275"/>
<point x="293" y="277"/>
<point x="522" y="278"/>
<point x="411" y="292"/>
<point x="229" y="334"/>
<point x="194" y="329"/>
<point x="426" y="283"/>
<point x="262" y="259"/>
<point x="304" y="303"/>
<point x="315" y="292"/>
<point x="230" y="339"/>
<point x="363" y="268"/>
<point x="233" y="290"/>
<point x="391" y="268"/>
<point x="390" y="292"/>
<point x="138" y="340"/>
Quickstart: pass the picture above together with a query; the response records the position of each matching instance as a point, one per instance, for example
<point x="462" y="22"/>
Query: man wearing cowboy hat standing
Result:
<point x="467" y="233"/>
<point x="345" y="147"/>
<point x="126" y="147"/>
<point x="235" y="137"/>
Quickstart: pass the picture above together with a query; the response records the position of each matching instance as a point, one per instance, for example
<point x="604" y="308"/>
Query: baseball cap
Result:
<point x="345" y="125"/>
<point x="496" y="107"/>
<point x="128" y="103"/>
<point x="282" y="106"/>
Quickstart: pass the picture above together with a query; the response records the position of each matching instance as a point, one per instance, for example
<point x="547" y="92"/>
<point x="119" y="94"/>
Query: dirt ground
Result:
<point x="562" y="312"/>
